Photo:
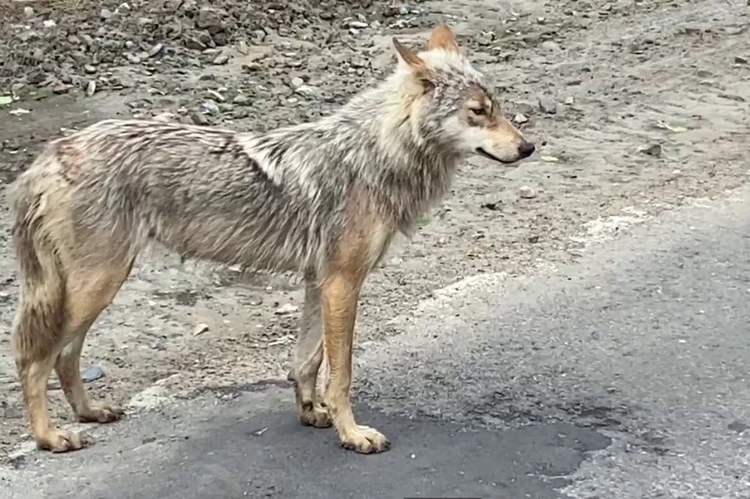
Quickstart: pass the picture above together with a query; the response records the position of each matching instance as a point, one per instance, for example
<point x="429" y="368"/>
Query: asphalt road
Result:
<point x="622" y="376"/>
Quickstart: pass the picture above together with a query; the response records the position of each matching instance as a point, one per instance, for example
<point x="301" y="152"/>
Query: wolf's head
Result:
<point x="448" y="103"/>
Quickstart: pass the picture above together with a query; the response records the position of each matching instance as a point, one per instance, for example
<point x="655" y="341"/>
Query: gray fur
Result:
<point x="270" y="201"/>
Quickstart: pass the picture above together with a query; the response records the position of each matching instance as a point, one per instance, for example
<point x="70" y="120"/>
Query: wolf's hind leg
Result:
<point x="89" y="292"/>
<point x="59" y="302"/>
<point x="308" y="357"/>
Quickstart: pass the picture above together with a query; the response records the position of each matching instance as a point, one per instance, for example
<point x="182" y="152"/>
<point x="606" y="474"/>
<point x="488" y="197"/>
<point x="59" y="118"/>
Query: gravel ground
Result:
<point x="638" y="107"/>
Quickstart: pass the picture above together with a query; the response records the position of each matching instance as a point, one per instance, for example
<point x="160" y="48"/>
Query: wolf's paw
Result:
<point x="57" y="440"/>
<point x="364" y="440"/>
<point x="317" y="415"/>
<point x="100" y="413"/>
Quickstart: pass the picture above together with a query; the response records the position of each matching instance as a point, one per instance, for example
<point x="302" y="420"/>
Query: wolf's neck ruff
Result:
<point x="372" y="143"/>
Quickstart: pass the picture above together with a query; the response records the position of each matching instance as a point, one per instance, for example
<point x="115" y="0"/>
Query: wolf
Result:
<point x="324" y="199"/>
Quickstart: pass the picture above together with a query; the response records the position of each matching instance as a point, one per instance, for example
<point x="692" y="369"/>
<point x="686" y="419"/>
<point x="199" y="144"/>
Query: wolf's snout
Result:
<point x="526" y="149"/>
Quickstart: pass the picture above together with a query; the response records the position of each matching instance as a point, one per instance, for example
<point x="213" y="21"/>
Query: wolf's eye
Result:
<point x="478" y="111"/>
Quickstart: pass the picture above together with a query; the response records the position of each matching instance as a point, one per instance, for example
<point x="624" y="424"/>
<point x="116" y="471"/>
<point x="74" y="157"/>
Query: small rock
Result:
<point x="526" y="192"/>
<point x="36" y="77"/>
<point x="485" y="39"/>
<point x="155" y="49"/>
<point x="199" y="119"/>
<point x="286" y="309"/>
<point x="520" y="119"/>
<point x="211" y="108"/>
<point x="569" y="101"/>
<point x="551" y="46"/>
<point x="740" y="60"/>
<point x="221" y="59"/>
<point x="653" y="150"/>
<point x="210" y="19"/>
<point x="27" y="35"/>
<point x="28" y="12"/>
<point x="259" y="35"/>
<point x="548" y="104"/>
<point x="738" y="426"/>
<point x="91" y="88"/>
<point x="306" y="90"/>
<point x="242" y="48"/>
<point x="106" y="14"/>
<point x="92" y="373"/>
<point x="358" y="24"/>
<point x="49" y="23"/>
<point x="123" y="81"/>
<point x="206" y="39"/>
<point x="165" y="117"/>
<point x="89" y="69"/>
<point x="200" y="329"/>
<point x="134" y="59"/>
<point x="297" y="82"/>
<point x="533" y="239"/>
<point x="124" y="8"/>
<point x="61" y="88"/>
<point x="195" y="44"/>
<point x="241" y="100"/>
<point x="217" y="96"/>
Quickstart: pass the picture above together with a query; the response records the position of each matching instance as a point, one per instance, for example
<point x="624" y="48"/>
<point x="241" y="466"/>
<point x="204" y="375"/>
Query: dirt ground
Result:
<point x="637" y="106"/>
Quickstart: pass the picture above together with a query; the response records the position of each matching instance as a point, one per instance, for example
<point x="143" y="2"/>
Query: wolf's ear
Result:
<point x="442" y="38"/>
<point x="410" y="58"/>
<point x="421" y="72"/>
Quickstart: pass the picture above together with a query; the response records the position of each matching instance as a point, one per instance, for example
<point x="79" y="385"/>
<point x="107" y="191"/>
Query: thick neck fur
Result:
<point x="374" y="143"/>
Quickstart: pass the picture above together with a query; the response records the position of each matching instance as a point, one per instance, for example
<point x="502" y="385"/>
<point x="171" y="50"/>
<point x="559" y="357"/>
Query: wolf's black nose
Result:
<point x="526" y="149"/>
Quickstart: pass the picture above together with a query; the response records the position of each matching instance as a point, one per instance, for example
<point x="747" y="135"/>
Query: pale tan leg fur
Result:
<point x="308" y="356"/>
<point x="58" y="305"/>
<point x="90" y="291"/>
<point x="357" y="252"/>
<point x="340" y="294"/>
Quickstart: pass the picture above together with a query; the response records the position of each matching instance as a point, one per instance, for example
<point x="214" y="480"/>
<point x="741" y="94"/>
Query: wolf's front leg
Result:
<point x="339" y="296"/>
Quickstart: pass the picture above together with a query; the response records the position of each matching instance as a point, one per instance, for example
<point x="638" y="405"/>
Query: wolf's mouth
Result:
<point x="487" y="155"/>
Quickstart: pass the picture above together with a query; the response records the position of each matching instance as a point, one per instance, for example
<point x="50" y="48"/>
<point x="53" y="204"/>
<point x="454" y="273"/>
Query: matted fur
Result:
<point x="324" y="198"/>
